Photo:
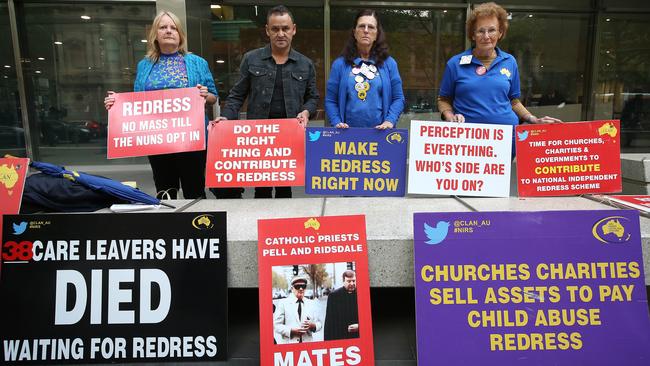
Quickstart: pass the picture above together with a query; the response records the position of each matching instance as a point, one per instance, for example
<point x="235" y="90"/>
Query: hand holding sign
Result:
<point x="385" y="125"/>
<point x="546" y="119"/>
<point x="109" y="100"/>
<point x="303" y="118"/>
<point x="203" y="91"/>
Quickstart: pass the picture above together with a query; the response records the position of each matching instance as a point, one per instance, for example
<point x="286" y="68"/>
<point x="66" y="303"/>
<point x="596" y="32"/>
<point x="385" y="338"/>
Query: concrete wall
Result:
<point x="389" y="227"/>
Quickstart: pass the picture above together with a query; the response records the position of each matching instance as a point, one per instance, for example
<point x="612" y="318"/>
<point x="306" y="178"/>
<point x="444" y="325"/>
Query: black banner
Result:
<point x="113" y="288"/>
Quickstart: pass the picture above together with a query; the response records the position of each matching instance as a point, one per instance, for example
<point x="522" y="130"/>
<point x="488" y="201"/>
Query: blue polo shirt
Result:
<point x="368" y="112"/>
<point x="482" y="98"/>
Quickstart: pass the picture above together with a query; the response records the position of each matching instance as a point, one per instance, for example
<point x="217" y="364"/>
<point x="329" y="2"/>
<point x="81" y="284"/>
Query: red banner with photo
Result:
<point x="13" y="172"/>
<point x="565" y="159"/>
<point x="256" y="153"/>
<point x="314" y="291"/>
<point x="156" y="122"/>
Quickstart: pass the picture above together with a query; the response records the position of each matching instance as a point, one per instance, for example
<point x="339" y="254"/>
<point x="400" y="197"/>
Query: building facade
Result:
<point x="578" y="60"/>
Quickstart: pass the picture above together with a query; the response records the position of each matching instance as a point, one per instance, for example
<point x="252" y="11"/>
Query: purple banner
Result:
<point x="533" y="288"/>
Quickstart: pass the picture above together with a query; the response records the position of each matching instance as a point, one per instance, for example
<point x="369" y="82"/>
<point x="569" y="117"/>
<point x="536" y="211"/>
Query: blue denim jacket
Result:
<point x="198" y="72"/>
<point x="257" y="80"/>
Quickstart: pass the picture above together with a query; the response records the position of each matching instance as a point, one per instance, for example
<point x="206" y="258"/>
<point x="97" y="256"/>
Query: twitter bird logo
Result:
<point x="436" y="234"/>
<point x="314" y="136"/>
<point x="20" y="228"/>
<point x="522" y="135"/>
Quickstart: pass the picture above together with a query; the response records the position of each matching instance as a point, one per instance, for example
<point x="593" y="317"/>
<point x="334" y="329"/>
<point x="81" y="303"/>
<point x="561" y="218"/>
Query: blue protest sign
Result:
<point x="356" y="162"/>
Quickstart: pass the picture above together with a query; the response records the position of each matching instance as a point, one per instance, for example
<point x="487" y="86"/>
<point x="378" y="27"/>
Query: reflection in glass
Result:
<point x="12" y="134"/>
<point x="72" y="63"/>
<point x="622" y="90"/>
<point x="551" y="54"/>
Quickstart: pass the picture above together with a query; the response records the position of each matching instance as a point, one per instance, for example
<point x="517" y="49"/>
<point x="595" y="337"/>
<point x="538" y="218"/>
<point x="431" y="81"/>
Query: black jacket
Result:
<point x="342" y="311"/>
<point x="256" y="81"/>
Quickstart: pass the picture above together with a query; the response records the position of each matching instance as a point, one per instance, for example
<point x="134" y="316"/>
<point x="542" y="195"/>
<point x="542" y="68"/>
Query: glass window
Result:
<point x="74" y="53"/>
<point x="12" y="134"/>
<point x="239" y="29"/>
<point x="551" y="52"/>
<point x="622" y="88"/>
<point x="421" y="41"/>
<point x="626" y="4"/>
<point x="553" y="4"/>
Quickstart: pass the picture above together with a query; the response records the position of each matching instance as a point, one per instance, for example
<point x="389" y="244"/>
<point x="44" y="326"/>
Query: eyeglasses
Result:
<point x="368" y="27"/>
<point x="489" y="32"/>
<point x="300" y="286"/>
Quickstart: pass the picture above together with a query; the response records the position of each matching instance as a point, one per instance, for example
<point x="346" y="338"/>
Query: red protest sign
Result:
<point x="639" y="202"/>
<point x="13" y="172"/>
<point x="156" y="122"/>
<point x="314" y="291"/>
<point x="569" y="158"/>
<point x="256" y="153"/>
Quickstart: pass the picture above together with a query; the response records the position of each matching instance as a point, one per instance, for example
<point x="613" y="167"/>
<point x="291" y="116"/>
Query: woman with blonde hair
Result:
<point x="481" y="85"/>
<point x="168" y="65"/>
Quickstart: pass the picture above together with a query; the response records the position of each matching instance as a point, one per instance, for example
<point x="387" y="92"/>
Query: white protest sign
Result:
<point x="465" y="159"/>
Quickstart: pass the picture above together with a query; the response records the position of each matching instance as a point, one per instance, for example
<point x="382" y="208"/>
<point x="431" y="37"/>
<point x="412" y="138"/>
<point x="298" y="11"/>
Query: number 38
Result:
<point x="12" y="251"/>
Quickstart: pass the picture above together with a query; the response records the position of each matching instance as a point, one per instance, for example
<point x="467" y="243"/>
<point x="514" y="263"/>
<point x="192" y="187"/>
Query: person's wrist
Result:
<point x="531" y="119"/>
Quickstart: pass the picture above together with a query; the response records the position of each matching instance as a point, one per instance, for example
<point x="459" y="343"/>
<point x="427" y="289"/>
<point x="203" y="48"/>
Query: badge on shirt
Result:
<point x="481" y="70"/>
<point x="466" y="60"/>
<point x="505" y="72"/>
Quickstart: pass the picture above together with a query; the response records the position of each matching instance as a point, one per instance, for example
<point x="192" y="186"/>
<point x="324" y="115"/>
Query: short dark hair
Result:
<point x="348" y="274"/>
<point x="279" y="10"/>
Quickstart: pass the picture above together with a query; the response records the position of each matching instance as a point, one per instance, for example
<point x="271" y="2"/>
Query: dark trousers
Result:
<point x="184" y="170"/>
<point x="220" y="193"/>
<point x="260" y="192"/>
<point x="267" y="192"/>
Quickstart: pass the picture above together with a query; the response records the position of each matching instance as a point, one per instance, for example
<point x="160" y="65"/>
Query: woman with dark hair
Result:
<point x="481" y="85"/>
<point x="364" y="88"/>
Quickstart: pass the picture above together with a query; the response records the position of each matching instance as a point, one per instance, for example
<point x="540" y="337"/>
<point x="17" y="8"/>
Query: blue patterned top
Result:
<point x="392" y="96"/>
<point x="196" y="70"/>
<point x="364" y="113"/>
<point x="168" y="73"/>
